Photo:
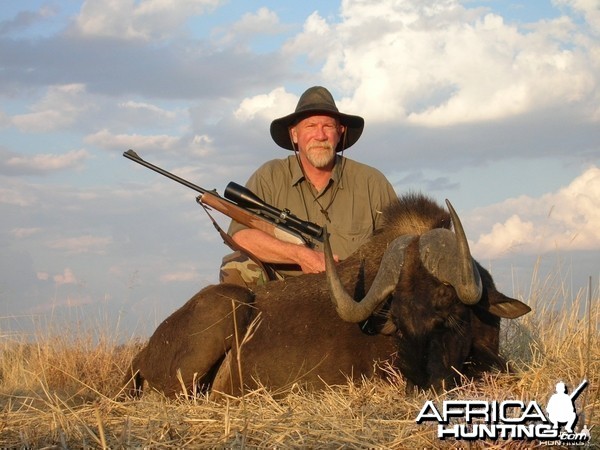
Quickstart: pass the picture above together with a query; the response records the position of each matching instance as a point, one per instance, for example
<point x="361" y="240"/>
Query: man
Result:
<point x="316" y="184"/>
<point x="561" y="408"/>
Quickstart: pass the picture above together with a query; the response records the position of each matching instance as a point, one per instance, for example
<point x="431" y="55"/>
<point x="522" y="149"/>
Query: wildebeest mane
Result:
<point x="415" y="214"/>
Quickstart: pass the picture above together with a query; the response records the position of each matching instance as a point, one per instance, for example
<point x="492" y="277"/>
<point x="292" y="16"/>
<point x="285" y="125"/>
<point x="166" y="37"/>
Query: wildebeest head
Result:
<point x="442" y="305"/>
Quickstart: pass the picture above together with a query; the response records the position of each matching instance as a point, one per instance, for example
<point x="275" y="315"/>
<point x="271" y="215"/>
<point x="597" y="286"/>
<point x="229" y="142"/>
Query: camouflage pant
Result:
<point x="238" y="268"/>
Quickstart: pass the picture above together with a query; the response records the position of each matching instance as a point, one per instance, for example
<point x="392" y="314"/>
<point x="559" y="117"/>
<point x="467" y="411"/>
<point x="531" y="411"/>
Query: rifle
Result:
<point x="243" y="206"/>
<point x="577" y="391"/>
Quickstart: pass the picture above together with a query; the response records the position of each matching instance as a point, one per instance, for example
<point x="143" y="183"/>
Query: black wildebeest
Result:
<point x="425" y="305"/>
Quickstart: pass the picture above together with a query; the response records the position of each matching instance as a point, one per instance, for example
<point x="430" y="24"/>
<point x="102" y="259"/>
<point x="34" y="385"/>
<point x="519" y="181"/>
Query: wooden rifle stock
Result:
<point x="249" y="219"/>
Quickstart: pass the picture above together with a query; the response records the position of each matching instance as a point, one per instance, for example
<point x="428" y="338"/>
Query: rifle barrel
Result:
<point x="130" y="154"/>
<point x="577" y="391"/>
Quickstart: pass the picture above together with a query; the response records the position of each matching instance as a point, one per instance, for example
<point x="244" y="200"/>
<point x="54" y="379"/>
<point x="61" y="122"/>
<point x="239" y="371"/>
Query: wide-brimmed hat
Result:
<point x="315" y="101"/>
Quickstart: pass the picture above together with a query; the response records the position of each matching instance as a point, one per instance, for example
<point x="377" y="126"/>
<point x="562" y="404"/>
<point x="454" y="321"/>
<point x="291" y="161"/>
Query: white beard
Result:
<point x="320" y="155"/>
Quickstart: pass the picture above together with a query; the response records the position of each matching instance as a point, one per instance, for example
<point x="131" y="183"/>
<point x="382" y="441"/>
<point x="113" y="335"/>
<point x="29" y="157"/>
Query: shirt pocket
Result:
<point x="347" y="237"/>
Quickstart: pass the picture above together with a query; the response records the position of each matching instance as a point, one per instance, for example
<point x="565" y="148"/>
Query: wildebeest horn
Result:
<point x="384" y="284"/>
<point x="446" y="256"/>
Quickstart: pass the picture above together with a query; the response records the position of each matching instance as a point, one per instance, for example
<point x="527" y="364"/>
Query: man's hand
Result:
<point x="271" y="250"/>
<point x="311" y="261"/>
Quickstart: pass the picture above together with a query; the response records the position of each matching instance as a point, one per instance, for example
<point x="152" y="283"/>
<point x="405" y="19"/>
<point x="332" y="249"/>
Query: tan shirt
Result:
<point x="353" y="199"/>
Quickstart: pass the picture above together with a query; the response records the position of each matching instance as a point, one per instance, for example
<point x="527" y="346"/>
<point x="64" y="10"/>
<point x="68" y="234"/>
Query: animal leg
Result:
<point x="133" y="383"/>
<point x="185" y="348"/>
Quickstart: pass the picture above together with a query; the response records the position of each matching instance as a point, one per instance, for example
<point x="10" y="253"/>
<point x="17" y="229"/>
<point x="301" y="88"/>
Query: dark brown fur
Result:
<point x="289" y="333"/>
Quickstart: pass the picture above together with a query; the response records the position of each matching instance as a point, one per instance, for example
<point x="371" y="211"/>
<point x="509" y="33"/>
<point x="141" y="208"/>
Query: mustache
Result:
<point x="325" y="145"/>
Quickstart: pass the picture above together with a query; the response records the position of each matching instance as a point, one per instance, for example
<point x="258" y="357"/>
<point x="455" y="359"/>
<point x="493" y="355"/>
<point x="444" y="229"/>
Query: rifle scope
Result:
<point x="245" y="197"/>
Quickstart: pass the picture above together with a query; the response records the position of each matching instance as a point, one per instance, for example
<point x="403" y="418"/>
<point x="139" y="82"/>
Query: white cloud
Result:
<point x="145" y="107"/>
<point x="59" y="108"/>
<point x="316" y="40"/>
<point x="16" y="197"/>
<point x="82" y="244"/>
<point x="437" y="63"/>
<point x="260" y="21"/>
<point x="276" y="103"/>
<point x="196" y="145"/>
<point x="589" y="9"/>
<point x="145" y="19"/>
<point x="263" y="21"/>
<point x="46" y="162"/>
<point x="106" y="139"/>
<point x="566" y="220"/>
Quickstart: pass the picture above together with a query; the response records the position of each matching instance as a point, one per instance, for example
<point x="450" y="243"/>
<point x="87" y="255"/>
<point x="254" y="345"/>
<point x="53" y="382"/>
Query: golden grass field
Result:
<point x="59" y="389"/>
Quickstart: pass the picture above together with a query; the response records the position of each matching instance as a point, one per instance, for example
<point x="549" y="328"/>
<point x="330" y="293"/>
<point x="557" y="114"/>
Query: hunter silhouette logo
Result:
<point x="510" y="419"/>
<point x="561" y="406"/>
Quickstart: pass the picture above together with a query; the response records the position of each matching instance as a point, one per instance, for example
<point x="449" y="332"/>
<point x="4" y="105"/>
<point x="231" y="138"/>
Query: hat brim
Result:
<point x="281" y="134"/>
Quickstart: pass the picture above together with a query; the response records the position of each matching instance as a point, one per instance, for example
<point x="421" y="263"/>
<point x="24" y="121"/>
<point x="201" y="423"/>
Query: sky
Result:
<point x="494" y="105"/>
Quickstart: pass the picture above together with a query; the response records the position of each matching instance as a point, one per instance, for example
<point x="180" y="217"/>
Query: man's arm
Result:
<point x="271" y="250"/>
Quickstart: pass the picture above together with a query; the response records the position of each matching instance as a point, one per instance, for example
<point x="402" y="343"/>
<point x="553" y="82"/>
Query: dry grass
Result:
<point x="59" y="391"/>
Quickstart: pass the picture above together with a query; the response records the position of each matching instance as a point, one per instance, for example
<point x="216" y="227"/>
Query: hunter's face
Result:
<point x="317" y="138"/>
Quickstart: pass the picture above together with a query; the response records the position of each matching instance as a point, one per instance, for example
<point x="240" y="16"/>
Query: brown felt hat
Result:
<point x="316" y="101"/>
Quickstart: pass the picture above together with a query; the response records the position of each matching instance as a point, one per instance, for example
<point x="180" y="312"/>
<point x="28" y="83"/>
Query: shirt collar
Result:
<point x="298" y="176"/>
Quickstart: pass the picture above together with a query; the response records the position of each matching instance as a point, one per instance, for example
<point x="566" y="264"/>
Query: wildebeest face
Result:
<point x="433" y="329"/>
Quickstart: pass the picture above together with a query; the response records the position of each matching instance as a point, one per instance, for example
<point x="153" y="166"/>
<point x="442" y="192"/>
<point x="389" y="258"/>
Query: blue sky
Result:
<point x="491" y="104"/>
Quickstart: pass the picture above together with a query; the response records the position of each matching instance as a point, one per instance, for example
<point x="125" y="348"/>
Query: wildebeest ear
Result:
<point x="506" y="307"/>
<point x="497" y="303"/>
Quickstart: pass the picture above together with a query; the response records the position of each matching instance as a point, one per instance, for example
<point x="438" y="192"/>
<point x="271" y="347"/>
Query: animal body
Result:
<point x="421" y="302"/>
